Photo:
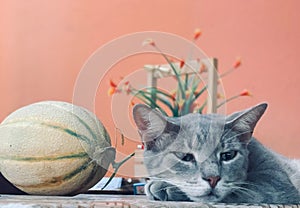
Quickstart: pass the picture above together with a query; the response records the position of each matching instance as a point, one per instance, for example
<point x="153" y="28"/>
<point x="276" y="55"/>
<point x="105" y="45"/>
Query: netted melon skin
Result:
<point x="47" y="148"/>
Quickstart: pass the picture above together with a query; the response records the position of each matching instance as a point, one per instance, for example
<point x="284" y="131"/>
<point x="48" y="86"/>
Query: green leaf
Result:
<point x="146" y="94"/>
<point x="201" y="92"/>
<point x="152" y="102"/>
<point x="190" y="100"/>
<point x="200" y="110"/>
<point x="180" y="86"/>
<point x="186" y="82"/>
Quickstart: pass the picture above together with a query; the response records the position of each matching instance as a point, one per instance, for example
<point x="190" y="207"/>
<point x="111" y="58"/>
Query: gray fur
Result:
<point x="213" y="158"/>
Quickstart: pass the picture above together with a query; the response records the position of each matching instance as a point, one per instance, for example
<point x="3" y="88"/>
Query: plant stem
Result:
<point x="116" y="166"/>
<point x="228" y="100"/>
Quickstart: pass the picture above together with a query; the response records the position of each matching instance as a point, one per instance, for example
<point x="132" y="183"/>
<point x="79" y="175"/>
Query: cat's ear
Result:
<point x="150" y="122"/>
<point x="244" y="122"/>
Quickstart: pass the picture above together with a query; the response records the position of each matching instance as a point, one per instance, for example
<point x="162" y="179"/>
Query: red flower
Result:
<point x="237" y="63"/>
<point x="197" y="33"/>
<point x="245" y="93"/>
<point x="111" y="91"/>
<point x="173" y="95"/>
<point x="112" y="84"/>
<point x="181" y="63"/>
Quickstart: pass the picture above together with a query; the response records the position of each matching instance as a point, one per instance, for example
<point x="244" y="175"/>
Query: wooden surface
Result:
<point x="95" y="201"/>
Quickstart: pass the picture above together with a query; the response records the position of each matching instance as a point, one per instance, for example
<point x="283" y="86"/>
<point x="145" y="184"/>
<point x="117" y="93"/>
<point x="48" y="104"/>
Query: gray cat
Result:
<point x="213" y="158"/>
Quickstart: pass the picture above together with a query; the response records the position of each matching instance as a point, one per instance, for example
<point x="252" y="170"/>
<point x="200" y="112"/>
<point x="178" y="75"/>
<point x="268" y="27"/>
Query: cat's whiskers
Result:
<point x="239" y="189"/>
<point x="242" y="191"/>
<point x="243" y="183"/>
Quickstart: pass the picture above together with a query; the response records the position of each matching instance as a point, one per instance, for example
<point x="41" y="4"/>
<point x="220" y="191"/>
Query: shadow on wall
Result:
<point x="7" y="188"/>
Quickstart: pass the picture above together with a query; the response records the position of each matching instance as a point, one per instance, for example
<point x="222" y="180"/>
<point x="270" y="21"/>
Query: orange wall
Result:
<point x="44" y="44"/>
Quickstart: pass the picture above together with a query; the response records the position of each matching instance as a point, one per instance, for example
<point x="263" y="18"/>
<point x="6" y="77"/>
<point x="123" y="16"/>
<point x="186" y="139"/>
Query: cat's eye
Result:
<point x="186" y="157"/>
<point x="226" y="156"/>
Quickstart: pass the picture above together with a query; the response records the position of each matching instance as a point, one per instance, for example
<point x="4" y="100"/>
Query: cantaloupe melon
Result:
<point x="54" y="148"/>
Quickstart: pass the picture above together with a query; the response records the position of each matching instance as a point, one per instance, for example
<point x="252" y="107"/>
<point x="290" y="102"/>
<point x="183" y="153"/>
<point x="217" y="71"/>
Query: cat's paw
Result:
<point x="162" y="191"/>
<point x="156" y="190"/>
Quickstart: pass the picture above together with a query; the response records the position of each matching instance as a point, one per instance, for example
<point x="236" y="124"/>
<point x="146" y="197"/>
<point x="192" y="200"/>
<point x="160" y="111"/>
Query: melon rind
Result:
<point x="47" y="148"/>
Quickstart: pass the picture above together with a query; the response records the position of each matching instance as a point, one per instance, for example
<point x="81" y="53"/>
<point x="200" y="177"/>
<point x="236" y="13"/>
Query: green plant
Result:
<point x="185" y="98"/>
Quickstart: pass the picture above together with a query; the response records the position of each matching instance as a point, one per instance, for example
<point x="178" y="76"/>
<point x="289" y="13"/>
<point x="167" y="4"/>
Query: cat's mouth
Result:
<point x="212" y="195"/>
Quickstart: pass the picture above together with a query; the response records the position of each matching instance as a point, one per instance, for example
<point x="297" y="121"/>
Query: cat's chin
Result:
<point x="206" y="198"/>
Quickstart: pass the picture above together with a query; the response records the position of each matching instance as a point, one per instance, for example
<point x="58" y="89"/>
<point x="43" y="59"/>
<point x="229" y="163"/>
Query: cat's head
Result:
<point x="204" y="156"/>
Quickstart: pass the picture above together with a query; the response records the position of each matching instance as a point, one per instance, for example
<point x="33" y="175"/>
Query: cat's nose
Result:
<point x="212" y="180"/>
